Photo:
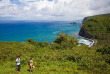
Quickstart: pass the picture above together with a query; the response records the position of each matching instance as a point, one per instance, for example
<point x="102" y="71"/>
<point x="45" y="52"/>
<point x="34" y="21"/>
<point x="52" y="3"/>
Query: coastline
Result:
<point x="87" y="41"/>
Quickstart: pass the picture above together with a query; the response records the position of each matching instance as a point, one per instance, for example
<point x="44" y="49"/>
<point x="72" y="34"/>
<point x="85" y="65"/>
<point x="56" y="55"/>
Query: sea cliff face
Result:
<point x="84" y="33"/>
<point x="96" y="27"/>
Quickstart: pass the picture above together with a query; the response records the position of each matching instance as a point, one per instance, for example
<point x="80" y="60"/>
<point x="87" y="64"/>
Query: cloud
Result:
<point x="53" y="9"/>
<point x="100" y="6"/>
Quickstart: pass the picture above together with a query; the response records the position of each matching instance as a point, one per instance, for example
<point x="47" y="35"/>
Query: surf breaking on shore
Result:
<point x="86" y="41"/>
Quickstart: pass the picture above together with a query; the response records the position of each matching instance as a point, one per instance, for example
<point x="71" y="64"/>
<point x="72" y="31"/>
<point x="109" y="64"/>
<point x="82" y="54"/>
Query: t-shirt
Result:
<point x="18" y="63"/>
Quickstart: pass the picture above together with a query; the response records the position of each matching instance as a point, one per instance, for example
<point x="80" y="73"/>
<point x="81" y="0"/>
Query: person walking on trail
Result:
<point x="18" y="63"/>
<point x="31" y="65"/>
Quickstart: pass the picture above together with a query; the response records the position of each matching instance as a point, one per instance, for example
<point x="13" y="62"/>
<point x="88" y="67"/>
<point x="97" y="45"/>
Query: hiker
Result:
<point x="18" y="63"/>
<point x="30" y="63"/>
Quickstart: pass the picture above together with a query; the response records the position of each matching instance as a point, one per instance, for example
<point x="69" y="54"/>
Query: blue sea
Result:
<point x="38" y="30"/>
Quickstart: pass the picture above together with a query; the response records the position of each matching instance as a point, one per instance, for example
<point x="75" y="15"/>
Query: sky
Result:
<point x="62" y="10"/>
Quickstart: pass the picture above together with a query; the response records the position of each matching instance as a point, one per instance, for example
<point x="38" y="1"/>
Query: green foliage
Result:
<point x="31" y="41"/>
<point x="98" y="27"/>
<point x="40" y="44"/>
<point x="46" y="43"/>
<point x="60" y="37"/>
<point x="63" y="56"/>
<point x="56" y="46"/>
<point x="104" y="50"/>
<point x="65" y="41"/>
<point x="9" y="50"/>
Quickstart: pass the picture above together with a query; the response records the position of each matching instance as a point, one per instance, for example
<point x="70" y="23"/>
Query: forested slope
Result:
<point x="97" y="27"/>
<point x="63" y="56"/>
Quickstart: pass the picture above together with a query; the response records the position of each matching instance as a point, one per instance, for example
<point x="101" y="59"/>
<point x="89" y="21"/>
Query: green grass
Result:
<point x="51" y="67"/>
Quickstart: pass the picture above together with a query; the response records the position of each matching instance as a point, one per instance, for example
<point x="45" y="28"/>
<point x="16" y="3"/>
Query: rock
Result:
<point x="84" y="33"/>
<point x="73" y="23"/>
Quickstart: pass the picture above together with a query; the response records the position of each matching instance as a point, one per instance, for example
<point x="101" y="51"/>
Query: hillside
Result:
<point x="97" y="27"/>
<point x="62" y="56"/>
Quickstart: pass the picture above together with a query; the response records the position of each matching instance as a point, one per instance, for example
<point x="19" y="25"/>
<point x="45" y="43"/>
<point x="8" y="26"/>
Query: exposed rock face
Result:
<point x="84" y="20"/>
<point x="83" y="33"/>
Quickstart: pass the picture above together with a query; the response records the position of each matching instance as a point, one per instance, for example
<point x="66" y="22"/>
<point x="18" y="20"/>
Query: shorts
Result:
<point x="32" y="67"/>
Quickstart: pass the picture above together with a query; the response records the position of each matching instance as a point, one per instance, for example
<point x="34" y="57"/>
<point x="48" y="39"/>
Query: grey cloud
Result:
<point x="99" y="4"/>
<point x="56" y="9"/>
<point x="57" y="15"/>
<point x="55" y="1"/>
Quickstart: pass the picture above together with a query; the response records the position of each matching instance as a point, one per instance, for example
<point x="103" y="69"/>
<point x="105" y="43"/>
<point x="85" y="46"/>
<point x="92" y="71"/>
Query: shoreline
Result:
<point x="83" y="40"/>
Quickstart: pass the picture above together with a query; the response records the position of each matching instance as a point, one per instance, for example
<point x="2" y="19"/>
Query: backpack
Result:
<point x="29" y="62"/>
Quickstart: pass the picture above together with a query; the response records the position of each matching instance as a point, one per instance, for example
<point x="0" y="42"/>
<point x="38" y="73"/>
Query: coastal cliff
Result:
<point x="84" y="33"/>
<point x="96" y="27"/>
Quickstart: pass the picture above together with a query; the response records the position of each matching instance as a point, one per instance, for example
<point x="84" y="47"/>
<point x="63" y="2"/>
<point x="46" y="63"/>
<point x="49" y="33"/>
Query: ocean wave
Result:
<point x="56" y="32"/>
<point x="86" y="41"/>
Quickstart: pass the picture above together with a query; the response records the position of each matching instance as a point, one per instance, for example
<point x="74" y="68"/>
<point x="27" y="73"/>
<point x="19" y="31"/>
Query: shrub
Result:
<point x="46" y="43"/>
<point x="66" y="41"/>
<point x="31" y="41"/>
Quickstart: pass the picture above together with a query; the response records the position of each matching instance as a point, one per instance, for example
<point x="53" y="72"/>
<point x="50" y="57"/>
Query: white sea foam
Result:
<point x="82" y="40"/>
<point x="56" y="32"/>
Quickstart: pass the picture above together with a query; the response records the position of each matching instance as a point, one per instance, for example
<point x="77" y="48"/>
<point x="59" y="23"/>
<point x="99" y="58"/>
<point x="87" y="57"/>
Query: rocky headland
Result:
<point x="96" y="28"/>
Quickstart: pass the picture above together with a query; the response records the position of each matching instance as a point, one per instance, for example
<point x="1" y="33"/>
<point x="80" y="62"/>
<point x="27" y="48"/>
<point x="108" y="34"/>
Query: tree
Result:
<point x="66" y="41"/>
<point x="46" y="43"/>
<point x="31" y="41"/>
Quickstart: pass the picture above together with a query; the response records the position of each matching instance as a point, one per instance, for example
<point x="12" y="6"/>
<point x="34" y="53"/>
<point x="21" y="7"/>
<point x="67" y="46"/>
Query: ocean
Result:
<point x="20" y="31"/>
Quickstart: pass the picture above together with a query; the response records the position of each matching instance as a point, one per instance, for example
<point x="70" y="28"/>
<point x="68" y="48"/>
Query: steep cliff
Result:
<point x="84" y="33"/>
<point x="96" y="27"/>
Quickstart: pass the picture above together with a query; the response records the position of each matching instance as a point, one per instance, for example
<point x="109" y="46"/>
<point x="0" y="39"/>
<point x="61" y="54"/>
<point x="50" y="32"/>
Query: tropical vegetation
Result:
<point x="62" y="56"/>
